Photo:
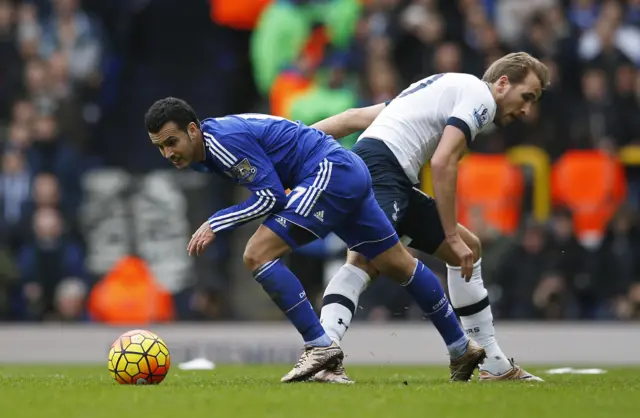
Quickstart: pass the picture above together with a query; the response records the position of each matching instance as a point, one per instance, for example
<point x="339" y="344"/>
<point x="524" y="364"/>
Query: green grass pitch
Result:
<point x="255" y="391"/>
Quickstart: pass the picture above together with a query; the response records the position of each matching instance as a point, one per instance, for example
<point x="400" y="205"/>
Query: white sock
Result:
<point x="340" y="300"/>
<point x="478" y="324"/>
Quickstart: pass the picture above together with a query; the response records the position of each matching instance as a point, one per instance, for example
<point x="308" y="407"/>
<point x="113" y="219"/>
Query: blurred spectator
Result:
<point x="46" y="261"/>
<point x="573" y="263"/>
<point x="10" y="68"/>
<point x="73" y="33"/>
<point x="610" y="37"/>
<point x="619" y="268"/>
<point x="593" y="117"/>
<point x="553" y="298"/>
<point x="49" y="153"/>
<point x="15" y="187"/>
<point x="521" y="272"/>
<point x="69" y="300"/>
<point x="29" y="31"/>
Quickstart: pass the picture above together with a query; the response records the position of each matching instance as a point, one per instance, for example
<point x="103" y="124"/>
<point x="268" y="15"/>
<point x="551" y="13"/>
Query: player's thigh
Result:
<point x="264" y="246"/>
<point x="321" y="203"/>
<point x="391" y="187"/>
<point x="371" y="235"/>
<point x="423" y="227"/>
<point x="421" y="224"/>
<point x="367" y="230"/>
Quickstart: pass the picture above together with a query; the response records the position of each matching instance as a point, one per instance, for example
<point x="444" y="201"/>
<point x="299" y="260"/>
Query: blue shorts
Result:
<point x="336" y="198"/>
<point x="412" y="213"/>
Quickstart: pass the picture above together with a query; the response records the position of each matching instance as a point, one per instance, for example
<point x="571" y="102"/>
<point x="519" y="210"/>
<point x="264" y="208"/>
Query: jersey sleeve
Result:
<point x="240" y="157"/>
<point x="474" y="109"/>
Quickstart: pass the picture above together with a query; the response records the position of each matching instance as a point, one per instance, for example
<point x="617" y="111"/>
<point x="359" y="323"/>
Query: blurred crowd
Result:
<point x="76" y="77"/>
<point x="50" y="74"/>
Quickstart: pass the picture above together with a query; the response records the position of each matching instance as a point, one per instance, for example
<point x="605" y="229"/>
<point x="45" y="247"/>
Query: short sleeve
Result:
<point x="474" y="109"/>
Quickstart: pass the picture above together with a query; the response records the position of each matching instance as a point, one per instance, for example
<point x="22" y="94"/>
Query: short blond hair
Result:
<point x="516" y="66"/>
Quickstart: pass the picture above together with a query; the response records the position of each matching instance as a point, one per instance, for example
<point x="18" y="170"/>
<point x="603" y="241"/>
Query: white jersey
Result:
<point x="412" y="124"/>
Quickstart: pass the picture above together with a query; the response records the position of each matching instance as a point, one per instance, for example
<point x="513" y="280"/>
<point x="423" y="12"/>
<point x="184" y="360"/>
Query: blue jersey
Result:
<point x="264" y="153"/>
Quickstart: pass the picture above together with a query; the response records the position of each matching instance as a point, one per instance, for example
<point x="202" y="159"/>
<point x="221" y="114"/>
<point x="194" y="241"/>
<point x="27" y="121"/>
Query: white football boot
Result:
<point x="312" y="360"/>
<point x="335" y="374"/>
<point x="514" y="373"/>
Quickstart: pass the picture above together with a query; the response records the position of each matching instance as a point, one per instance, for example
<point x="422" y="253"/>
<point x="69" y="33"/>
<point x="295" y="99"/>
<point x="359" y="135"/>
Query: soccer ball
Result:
<point x="139" y="357"/>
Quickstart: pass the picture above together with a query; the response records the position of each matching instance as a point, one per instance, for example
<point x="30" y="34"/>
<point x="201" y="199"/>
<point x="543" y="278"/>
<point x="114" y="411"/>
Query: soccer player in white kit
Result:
<point x="434" y="119"/>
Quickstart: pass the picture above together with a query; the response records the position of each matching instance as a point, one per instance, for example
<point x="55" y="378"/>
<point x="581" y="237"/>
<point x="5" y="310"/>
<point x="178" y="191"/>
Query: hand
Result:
<point x="465" y="256"/>
<point x="200" y="239"/>
<point x="33" y="291"/>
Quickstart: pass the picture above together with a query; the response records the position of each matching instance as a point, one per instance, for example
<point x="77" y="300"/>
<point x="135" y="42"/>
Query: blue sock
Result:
<point x="427" y="291"/>
<point x="287" y="292"/>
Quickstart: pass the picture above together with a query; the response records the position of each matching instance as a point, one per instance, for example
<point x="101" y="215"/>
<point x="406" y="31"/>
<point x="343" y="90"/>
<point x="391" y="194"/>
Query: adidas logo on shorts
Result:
<point x="319" y="215"/>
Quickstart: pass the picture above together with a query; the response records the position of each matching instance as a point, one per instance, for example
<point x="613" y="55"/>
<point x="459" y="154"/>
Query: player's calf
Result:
<point x="471" y="303"/>
<point x="341" y="295"/>
<point x="427" y="291"/>
<point x="262" y="258"/>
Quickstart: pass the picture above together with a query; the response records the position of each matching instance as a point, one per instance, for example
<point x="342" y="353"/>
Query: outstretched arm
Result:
<point x="349" y="121"/>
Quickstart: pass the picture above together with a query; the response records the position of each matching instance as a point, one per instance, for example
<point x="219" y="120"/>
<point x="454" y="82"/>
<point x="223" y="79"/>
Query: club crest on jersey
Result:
<point x="243" y="171"/>
<point x="481" y="116"/>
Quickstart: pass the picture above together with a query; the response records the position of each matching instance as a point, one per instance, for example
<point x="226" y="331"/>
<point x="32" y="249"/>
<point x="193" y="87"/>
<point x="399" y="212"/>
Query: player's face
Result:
<point x="515" y="100"/>
<point x="176" y="145"/>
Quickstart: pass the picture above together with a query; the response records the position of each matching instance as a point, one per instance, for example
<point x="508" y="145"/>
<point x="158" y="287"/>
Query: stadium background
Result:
<point x="94" y="224"/>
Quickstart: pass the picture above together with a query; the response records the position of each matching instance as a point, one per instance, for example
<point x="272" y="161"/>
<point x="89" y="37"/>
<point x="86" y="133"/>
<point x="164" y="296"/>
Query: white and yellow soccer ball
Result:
<point x="139" y="357"/>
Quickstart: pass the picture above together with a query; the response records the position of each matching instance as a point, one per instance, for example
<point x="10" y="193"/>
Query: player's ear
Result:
<point x="503" y="83"/>
<point x="192" y="130"/>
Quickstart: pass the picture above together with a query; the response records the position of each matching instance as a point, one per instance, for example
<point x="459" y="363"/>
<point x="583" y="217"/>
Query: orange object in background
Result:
<point x="493" y="187"/>
<point x="237" y="14"/>
<point x="592" y="185"/>
<point x="287" y="86"/>
<point x="314" y="48"/>
<point x="129" y="294"/>
<point x="293" y="82"/>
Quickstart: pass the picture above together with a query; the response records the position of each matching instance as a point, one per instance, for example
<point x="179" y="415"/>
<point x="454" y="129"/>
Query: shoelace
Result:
<point x="303" y="357"/>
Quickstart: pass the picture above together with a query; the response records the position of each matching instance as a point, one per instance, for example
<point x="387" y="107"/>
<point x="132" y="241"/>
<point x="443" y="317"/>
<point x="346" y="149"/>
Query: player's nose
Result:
<point x="526" y="109"/>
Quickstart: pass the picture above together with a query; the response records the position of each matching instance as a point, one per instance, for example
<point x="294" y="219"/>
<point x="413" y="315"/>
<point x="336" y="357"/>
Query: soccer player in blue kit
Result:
<point x="331" y="191"/>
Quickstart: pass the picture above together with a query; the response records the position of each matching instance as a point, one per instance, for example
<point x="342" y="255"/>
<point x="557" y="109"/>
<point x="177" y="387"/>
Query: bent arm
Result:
<point x="349" y="121"/>
<point x="444" y="172"/>
<point x="268" y="196"/>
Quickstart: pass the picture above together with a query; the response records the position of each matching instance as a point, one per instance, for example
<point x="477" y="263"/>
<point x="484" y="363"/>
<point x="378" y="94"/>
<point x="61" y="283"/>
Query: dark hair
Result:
<point x="168" y="110"/>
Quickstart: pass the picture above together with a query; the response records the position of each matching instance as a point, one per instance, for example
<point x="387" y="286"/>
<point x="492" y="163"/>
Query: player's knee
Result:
<point x="396" y="263"/>
<point x="255" y="256"/>
<point x="251" y="258"/>
<point x="358" y="260"/>
<point x="475" y="245"/>
<point x="263" y="246"/>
